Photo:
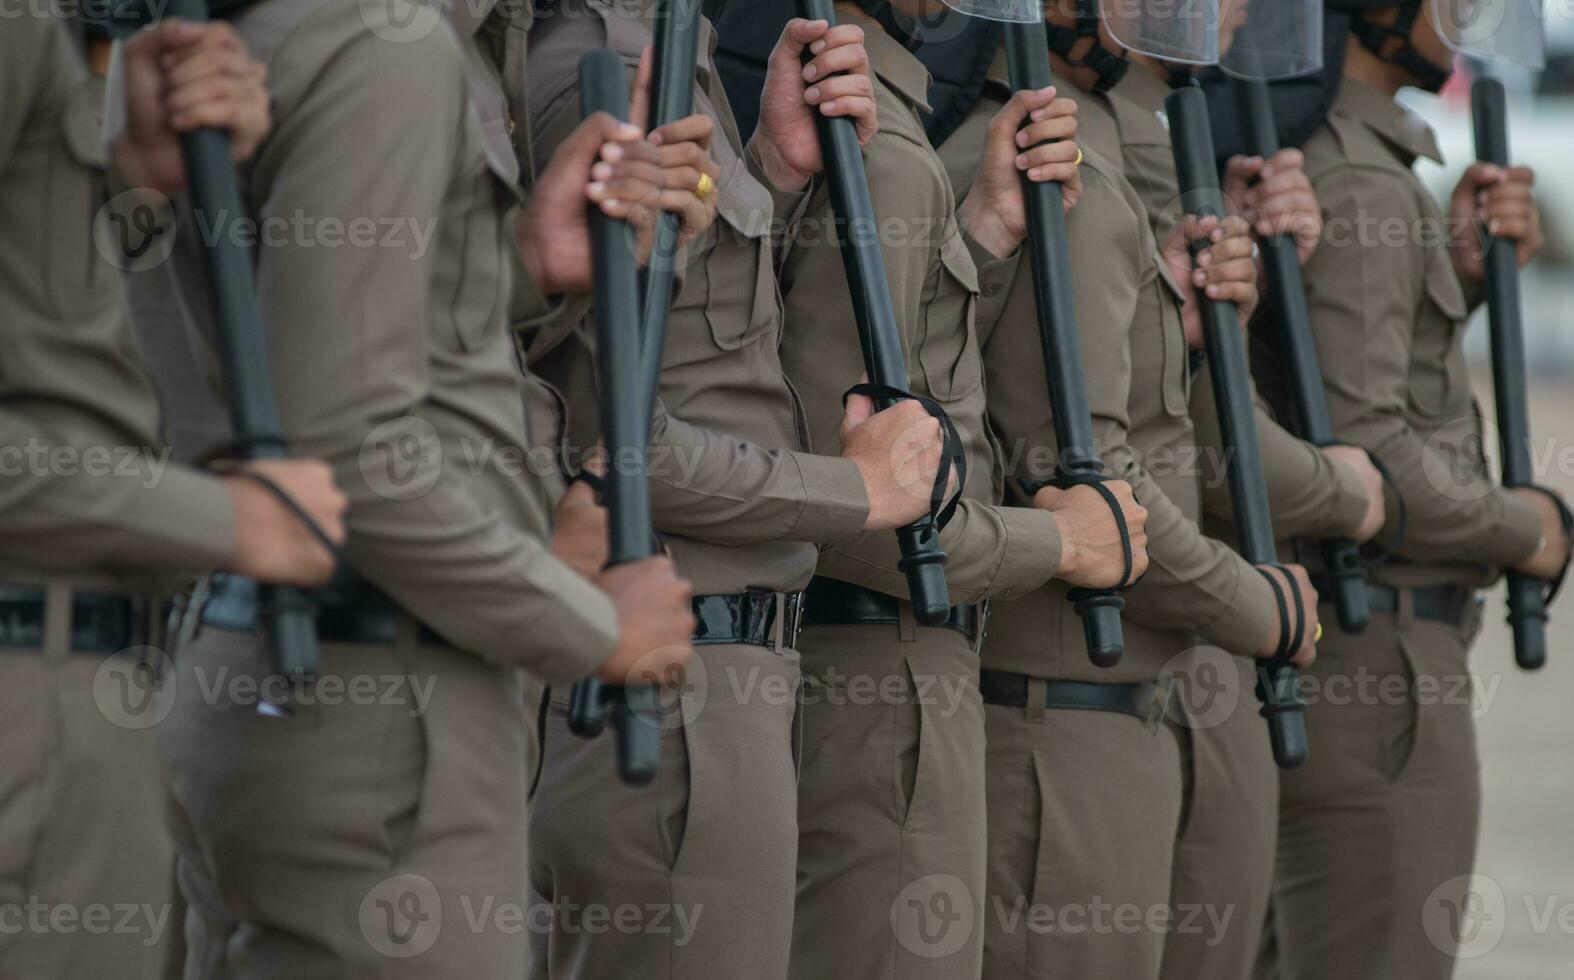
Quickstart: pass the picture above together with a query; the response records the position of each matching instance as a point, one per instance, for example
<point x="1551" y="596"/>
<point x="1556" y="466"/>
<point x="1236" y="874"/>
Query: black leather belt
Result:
<point x="831" y="602"/>
<point x="1139" y="700"/>
<point x="101" y="622"/>
<point x="748" y="618"/>
<point x="357" y="613"/>
<point x="1448" y="604"/>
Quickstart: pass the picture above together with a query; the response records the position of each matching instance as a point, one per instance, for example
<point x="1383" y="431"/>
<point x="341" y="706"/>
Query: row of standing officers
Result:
<point x="845" y="793"/>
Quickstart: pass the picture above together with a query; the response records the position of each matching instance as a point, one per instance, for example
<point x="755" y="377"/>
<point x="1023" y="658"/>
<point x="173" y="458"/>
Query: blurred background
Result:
<point x="1527" y="731"/>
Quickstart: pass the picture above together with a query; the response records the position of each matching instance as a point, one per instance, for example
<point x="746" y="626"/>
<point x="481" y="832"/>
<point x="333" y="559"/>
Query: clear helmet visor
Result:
<point x="1007" y="11"/>
<point x="1269" y="40"/>
<point x="1181" y="31"/>
<point x="1509" y="31"/>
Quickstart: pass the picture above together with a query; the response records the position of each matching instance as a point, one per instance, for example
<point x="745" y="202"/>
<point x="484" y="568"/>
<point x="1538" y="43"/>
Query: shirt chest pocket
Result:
<point x="740" y="285"/>
<point x="1176" y="358"/>
<point x="1438" y="374"/>
<point x="948" y="352"/>
<point x="78" y="273"/>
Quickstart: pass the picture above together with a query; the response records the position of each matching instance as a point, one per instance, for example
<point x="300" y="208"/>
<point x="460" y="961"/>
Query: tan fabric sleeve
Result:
<point x="1363" y="302"/>
<point x="355" y="356"/>
<point x="1308" y="494"/>
<point x="114" y="509"/>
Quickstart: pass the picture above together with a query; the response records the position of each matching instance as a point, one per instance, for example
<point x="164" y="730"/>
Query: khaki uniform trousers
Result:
<point x="375" y="832"/>
<point x="1224" y="860"/>
<point x="892" y="842"/>
<point x="690" y="878"/>
<point x="1377" y="835"/>
<point x="1084" y="811"/>
<point x="85" y="860"/>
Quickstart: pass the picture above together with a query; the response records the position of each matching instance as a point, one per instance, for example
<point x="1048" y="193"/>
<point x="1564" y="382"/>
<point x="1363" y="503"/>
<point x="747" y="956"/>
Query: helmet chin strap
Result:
<point x="1377" y="39"/>
<point x="1111" y="68"/>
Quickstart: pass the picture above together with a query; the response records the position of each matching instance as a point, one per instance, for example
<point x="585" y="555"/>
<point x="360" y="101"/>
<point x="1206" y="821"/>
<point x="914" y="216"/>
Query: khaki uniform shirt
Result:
<point x="991" y="550"/>
<point x="735" y="494"/>
<point x="1308" y="495"/>
<point x="392" y="356"/>
<point x="82" y="484"/>
<point x="1136" y="365"/>
<point x="1390" y="318"/>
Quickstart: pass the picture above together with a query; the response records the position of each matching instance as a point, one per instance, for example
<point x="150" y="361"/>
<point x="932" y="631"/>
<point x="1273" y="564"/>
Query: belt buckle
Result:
<point x="792" y="604"/>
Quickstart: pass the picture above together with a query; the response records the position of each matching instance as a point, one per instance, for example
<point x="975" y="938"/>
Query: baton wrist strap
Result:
<point x="1291" y="631"/>
<point x="1098" y="482"/>
<point x="300" y="514"/>
<point x="1555" y="585"/>
<point x="953" y="455"/>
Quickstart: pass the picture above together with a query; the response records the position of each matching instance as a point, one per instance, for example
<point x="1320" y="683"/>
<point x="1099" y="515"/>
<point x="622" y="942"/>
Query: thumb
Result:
<point x="859" y="409"/>
<point x="1048" y="497"/>
<point x="798" y="34"/>
<point x="579" y="494"/>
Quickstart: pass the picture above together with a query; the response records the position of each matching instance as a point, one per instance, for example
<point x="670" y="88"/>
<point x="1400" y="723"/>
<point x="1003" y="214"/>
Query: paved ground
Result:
<point x="1527" y="749"/>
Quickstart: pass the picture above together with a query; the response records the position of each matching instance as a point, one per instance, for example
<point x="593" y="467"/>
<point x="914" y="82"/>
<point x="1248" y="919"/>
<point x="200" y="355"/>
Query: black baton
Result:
<point x="635" y="710"/>
<point x="288" y="615"/>
<point x="1027" y="50"/>
<point x="1278" y="683"/>
<point x="1527" y="610"/>
<point x="676" y="52"/>
<point x="1346" y="572"/>
<point x="856" y="237"/>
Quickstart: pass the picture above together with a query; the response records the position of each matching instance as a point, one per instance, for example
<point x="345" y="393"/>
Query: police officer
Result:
<point x="322" y="830"/>
<point x="891" y="794"/>
<point x="740" y="504"/>
<point x="98" y="525"/>
<point x="1377" y="836"/>
<point x="1065" y="837"/>
<point x="1126" y="60"/>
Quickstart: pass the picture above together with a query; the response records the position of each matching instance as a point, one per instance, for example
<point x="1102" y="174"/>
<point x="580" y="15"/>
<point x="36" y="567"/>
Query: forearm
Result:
<point x="992" y="552"/>
<point x="716" y="488"/>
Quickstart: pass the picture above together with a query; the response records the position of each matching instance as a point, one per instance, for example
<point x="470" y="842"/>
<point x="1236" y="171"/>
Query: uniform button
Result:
<point x="990" y="290"/>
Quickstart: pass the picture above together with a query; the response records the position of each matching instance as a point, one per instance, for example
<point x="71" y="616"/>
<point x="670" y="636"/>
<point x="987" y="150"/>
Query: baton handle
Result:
<point x="287" y="614"/>
<point x="675" y="56"/>
<point x="1027" y="51"/>
<point x="1527" y="612"/>
<point x="603" y="85"/>
<point x="879" y="334"/>
<point x="1282" y="262"/>
<point x="1278" y="684"/>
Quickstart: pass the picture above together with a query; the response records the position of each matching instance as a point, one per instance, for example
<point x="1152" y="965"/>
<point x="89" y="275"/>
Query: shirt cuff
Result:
<point x="1033" y="550"/>
<point x="1519" y="530"/>
<point x="995" y="277"/>
<point x="584" y="634"/>
<point x="191" y="516"/>
<point x="1251" y="620"/>
<point x="835" y="501"/>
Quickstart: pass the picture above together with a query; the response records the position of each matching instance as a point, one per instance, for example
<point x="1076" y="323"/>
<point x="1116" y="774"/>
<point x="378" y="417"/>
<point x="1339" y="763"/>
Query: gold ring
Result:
<point x="1078" y="161"/>
<point x="1318" y="636"/>
<point x="705" y="188"/>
